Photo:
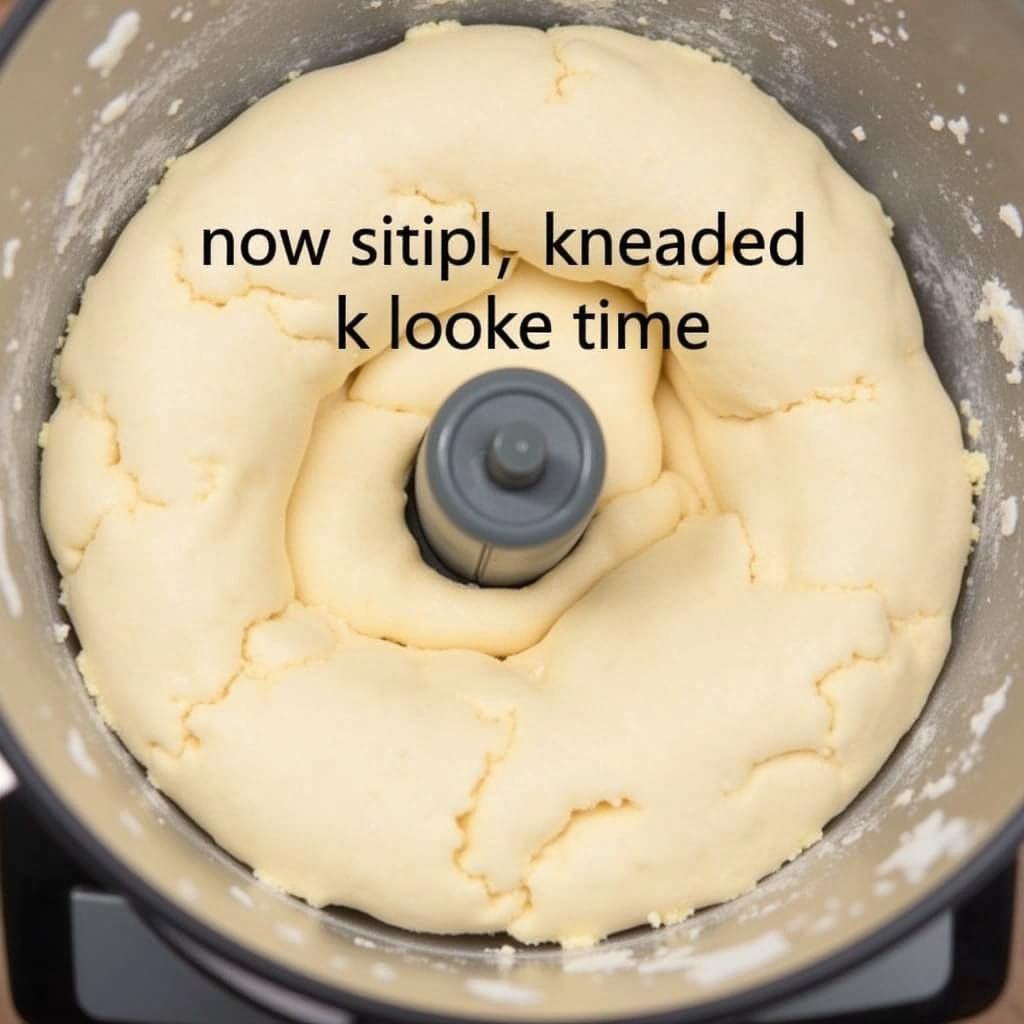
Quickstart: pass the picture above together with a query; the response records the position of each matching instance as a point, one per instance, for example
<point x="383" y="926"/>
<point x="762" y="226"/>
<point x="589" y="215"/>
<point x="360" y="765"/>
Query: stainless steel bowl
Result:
<point x="890" y="861"/>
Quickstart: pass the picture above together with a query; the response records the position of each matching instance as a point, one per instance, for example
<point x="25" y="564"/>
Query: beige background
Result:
<point x="1009" y="1010"/>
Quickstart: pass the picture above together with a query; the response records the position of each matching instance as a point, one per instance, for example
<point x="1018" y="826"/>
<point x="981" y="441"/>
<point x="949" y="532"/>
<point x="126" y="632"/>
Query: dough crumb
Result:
<point x="115" y="108"/>
<point x="429" y="28"/>
<point x="1010" y="216"/>
<point x="937" y="123"/>
<point x="10" y="251"/>
<point x="108" y="54"/>
<point x="977" y="467"/>
<point x="959" y="126"/>
<point x="675" y="916"/>
<point x="974" y="425"/>
<point x="859" y="134"/>
<point x="504" y="955"/>
<point x="76" y="186"/>
<point x="997" y="308"/>
<point x="1008" y="516"/>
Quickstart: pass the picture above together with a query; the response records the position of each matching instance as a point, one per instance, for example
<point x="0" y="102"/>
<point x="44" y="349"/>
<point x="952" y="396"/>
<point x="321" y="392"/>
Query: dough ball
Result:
<point x="750" y="622"/>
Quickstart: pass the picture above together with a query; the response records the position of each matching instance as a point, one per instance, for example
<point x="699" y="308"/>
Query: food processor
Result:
<point x="920" y="100"/>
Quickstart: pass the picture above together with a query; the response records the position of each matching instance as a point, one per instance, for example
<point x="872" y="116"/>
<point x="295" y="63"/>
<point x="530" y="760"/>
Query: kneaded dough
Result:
<point x="753" y="618"/>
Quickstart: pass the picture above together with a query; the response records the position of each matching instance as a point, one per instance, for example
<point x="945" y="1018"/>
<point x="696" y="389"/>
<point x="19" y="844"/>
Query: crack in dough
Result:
<point x="492" y="759"/>
<point x="575" y="816"/>
<point x="564" y="74"/>
<point x="823" y="755"/>
<point x="752" y="554"/>
<point x="860" y="390"/>
<point x="419" y="192"/>
<point x="95" y="455"/>
<point x="262" y="664"/>
<point x="833" y="705"/>
<point x="274" y="305"/>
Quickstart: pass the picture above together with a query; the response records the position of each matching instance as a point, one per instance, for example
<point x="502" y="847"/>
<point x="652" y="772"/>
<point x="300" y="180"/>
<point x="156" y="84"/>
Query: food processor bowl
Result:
<point x="873" y="79"/>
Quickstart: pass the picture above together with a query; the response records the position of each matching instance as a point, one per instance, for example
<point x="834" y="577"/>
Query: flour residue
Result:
<point x="10" y="251"/>
<point x="8" y="586"/>
<point x="383" y="972"/>
<point x="291" y="934"/>
<point x="926" y="844"/>
<point x="187" y="890"/>
<point x="75" y="188"/>
<point x="1008" y="516"/>
<point x="240" y="896"/>
<point x="992" y="705"/>
<point x="593" y="963"/>
<point x="80" y="754"/>
<point x="710" y="969"/>
<point x="105" y="57"/>
<point x="938" y="787"/>
<point x="131" y="823"/>
<point x="903" y="798"/>
<point x="495" y="991"/>
<point x="115" y="108"/>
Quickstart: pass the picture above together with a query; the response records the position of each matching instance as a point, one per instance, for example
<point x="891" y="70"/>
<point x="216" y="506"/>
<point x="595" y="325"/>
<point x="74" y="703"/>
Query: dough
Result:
<point x="754" y="617"/>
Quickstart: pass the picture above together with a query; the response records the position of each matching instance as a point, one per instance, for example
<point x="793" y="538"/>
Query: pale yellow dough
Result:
<point x="752" y="620"/>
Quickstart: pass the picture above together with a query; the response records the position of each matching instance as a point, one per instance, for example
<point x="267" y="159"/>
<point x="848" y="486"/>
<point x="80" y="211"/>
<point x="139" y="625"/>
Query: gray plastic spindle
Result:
<point x="507" y="477"/>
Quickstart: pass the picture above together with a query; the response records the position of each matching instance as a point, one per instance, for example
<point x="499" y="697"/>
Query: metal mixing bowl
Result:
<point x="836" y="65"/>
